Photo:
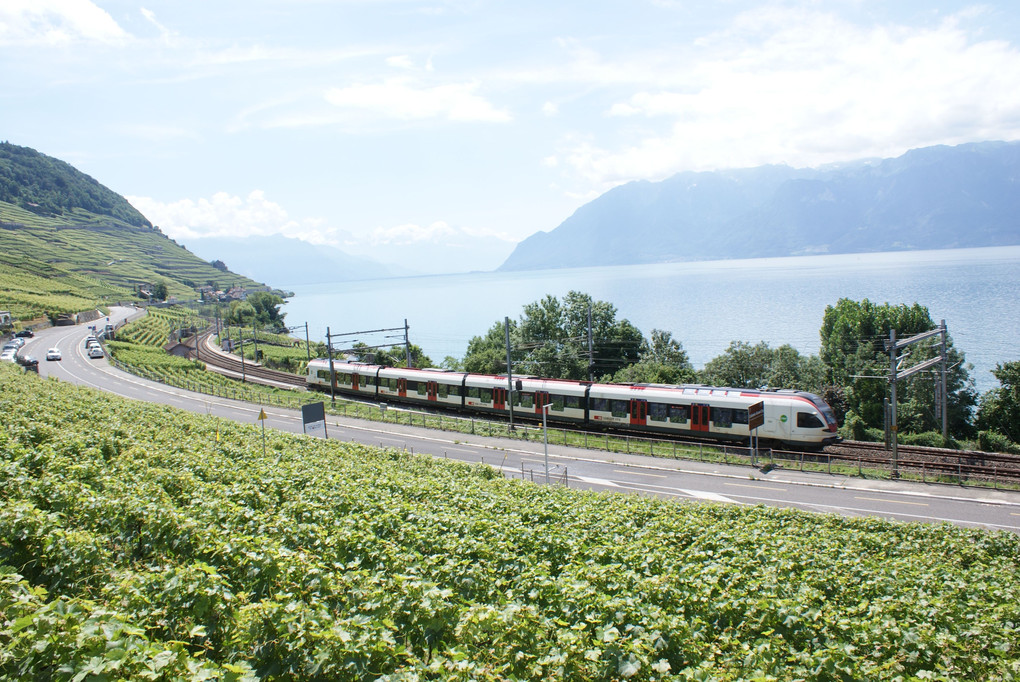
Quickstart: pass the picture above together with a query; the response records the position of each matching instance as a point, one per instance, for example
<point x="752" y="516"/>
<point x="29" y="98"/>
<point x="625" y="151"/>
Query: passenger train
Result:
<point x="791" y="418"/>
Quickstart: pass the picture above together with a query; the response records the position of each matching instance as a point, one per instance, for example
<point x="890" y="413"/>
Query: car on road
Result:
<point x="53" y="354"/>
<point x="96" y="352"/>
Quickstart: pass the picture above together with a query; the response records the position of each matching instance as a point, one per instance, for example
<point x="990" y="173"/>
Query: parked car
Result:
<point x="17" y="342"/>
<point x="29" y="363"/>
<point x="96" y="352"/>
<point x="9" y="355"/>
<point x="53" y="354"/>
<point x="25" y="333"/>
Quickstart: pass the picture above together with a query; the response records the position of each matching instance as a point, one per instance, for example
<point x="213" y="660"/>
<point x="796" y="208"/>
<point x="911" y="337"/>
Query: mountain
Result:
<point x="931" y="198"/>
<point x="288" y="261"/>
<point x="67" y="243"/>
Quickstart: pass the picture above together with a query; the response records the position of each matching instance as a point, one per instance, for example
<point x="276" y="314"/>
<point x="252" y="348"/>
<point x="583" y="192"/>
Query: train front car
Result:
<point x="792" y="418"/>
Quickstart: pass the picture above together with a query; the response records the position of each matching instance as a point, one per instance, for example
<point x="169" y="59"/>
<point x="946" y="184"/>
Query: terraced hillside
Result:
<point x="67" y="243"/>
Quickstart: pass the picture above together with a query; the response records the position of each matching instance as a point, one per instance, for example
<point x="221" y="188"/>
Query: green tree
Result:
<point x="1000" y="407"/>
<point x="551" y="340"/>
<point x="662" y="360"/>
<point x="759" y="366"/>
<point x="159" y="292"/>
<point x="267" y="309"/>
<point x="853" y="337"/>
<point x="392" y="356"/>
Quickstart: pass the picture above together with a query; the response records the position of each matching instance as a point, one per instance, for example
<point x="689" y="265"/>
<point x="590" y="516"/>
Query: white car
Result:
<point x="9" y="356"/>
<point x="96" y="352"/>
<point x="53" y="354"/>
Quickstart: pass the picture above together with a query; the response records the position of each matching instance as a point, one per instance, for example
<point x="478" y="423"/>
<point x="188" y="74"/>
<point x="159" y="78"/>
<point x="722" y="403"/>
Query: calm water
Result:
<point x="705" y="305"/>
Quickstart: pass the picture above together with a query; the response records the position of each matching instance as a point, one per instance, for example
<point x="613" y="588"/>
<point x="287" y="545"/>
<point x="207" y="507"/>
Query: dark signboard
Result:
<point x="755" y="415"/>
<point x="313" y="417"/>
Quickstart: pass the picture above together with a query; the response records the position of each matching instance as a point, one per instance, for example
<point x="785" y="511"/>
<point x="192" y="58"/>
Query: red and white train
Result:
<point x="792" y="418"/>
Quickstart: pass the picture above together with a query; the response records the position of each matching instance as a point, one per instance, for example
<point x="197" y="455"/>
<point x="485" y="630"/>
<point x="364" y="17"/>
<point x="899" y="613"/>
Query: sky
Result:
<point x="435" y="135"/>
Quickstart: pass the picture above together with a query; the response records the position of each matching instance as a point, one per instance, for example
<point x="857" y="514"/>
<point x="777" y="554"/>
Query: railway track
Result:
<point x="971" y="464"/>
<point x="231" y="365"/>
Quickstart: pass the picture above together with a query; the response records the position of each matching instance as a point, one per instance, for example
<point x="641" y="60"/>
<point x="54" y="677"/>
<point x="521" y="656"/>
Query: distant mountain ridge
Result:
<point x="930" y="198"/>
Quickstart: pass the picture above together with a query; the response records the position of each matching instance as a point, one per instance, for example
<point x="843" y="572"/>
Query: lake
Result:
<point x="706" y="305"/>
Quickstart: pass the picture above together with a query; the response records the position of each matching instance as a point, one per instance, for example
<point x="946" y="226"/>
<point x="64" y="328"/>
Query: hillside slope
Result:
<point x="932" y="198"/>
<point x="67" y="243"/>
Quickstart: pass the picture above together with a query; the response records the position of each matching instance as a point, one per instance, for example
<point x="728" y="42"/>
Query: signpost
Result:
<point x="755" y="418"/>
<point x="313" y="419"/>
<point x="262" y="418"/>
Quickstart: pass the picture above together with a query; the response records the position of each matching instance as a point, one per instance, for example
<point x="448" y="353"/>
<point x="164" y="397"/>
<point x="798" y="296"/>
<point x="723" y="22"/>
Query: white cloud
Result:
<point x="223" y="215"/>
<point x="399" y="99"/>
<point x="57" y="22"/>
<point x="808" y="88"/>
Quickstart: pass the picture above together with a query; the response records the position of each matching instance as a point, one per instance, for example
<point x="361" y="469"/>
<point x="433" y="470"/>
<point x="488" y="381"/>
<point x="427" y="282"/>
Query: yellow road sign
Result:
<point x="262" y="415"/>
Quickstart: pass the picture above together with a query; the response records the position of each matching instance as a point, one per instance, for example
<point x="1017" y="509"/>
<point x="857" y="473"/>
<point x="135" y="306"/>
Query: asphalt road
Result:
<point x="578" y="468"/>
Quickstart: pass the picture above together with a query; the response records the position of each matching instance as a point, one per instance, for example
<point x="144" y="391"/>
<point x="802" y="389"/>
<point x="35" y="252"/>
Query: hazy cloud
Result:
<point x="56" y="22"/>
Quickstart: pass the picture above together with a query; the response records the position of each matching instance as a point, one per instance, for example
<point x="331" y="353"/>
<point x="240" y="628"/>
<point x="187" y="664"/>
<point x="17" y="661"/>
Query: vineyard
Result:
<point x="139" y="542"/>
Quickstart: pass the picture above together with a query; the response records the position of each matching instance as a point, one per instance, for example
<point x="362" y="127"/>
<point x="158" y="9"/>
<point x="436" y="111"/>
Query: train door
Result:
<point x="432" y="390"/>
<point x="402" y="387"/>
<point x="638" y="412"/>
<point x="354" y="381"/>
<point x="541" y="399"/>
<point x="499" y="398"/>
<point x="699" y="417"/>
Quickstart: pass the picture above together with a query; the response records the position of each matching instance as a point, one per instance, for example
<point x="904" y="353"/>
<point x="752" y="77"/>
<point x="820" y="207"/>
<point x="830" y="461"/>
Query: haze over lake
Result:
<point x="706" y="305"/>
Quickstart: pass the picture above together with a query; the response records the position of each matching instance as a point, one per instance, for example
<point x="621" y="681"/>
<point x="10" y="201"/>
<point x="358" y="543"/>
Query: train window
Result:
<point x="806" y="420"/>
<point x="658" y="412"/>
<point x="443" y="391"/>
<point x="473" y="392"/>
<point x="722" y="417"/>
<point x="620" y="408"/>
<point x="599" y="404"/>
<point x="422" y="387"/>
<point x="739" y="416"/>
<point x="486" y="395"/>
<point x="557" y="403"/>
<point x="572" y="402"/>
<point x="453" y="390"/>
<point x="392" y="384"/>
<point x="526" y="399"/>
<point x="679" y="414"/>
<point x="323" y="374"/>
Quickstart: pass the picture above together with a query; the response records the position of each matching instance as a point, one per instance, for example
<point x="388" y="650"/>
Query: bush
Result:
<point x="929" y="439"/>
<point x="991" y="441"/>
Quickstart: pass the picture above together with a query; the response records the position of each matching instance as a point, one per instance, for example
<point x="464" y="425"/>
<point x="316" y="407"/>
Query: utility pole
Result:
<point x="308" y="345"/>
<point x="509" y="372"/>
<point x="591" y="350"/>
<point x="332" y="380"/>
<point x="896" y="374"/>
<point x="407" y="345"/>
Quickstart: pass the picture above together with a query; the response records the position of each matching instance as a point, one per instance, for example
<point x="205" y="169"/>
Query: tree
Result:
<point x="745" y="366"/>
<point x="267" y="309"/>
<point x="1000" y="407"/>
<point x="159" y="292"/>
<point x="853" y="336"/>
<point x="662" y="360"/>
<point x="551" y="340"/>
<point x="393" y="356"/>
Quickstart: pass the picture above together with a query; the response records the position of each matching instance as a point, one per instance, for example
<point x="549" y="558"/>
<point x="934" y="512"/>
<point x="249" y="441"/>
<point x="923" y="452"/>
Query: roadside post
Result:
<point x="755" y="418"/>
<point x="262" y="418"/>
